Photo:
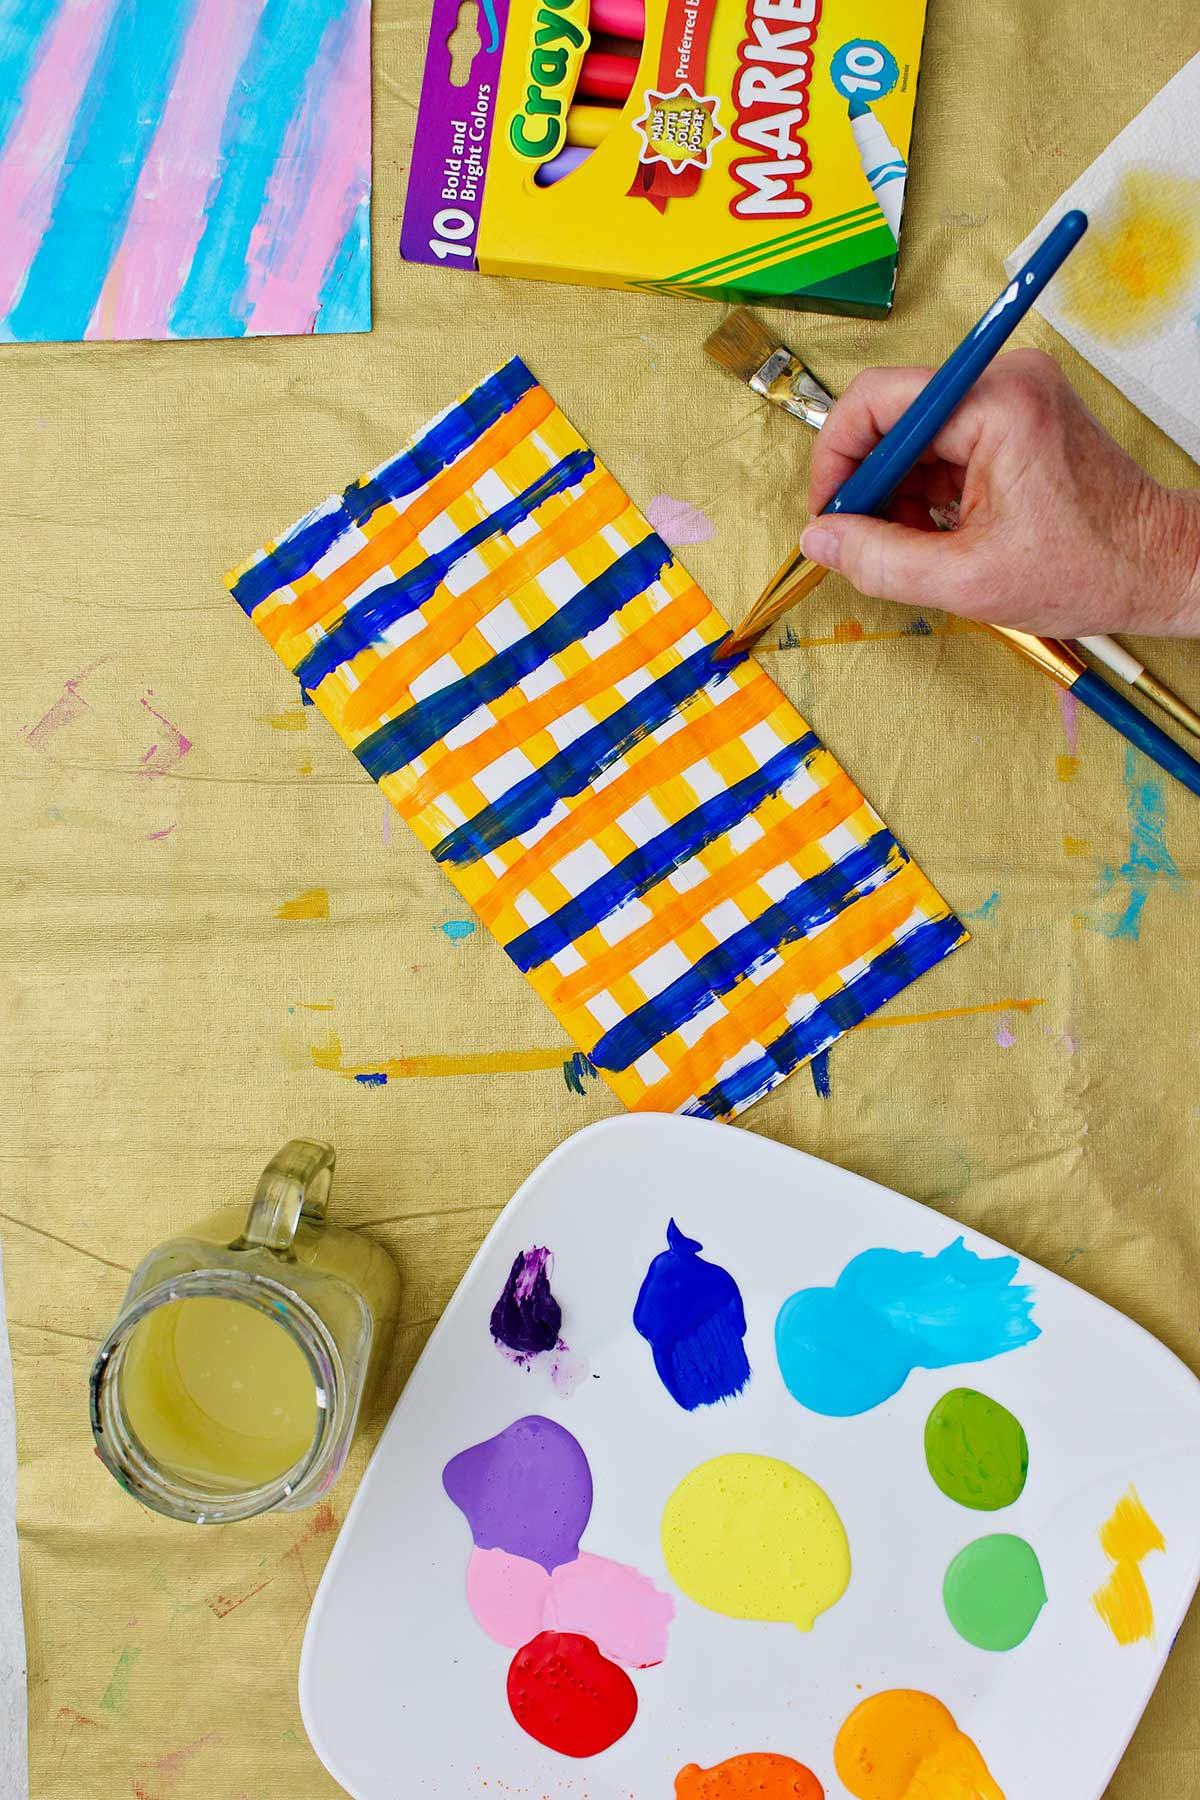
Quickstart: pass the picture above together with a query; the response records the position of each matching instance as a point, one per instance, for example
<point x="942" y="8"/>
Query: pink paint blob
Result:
<point x="507" y="1595"/>
<point x="620" y="1609"/>
<point x="1004" y="1037"/>
<point x="1068" y="706"/>
<point x="677" y="523"/>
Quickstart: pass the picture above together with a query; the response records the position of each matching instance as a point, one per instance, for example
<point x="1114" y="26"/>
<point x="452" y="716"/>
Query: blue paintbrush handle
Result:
<point x="1134" y="725"/>
<point x="875" y="480"/>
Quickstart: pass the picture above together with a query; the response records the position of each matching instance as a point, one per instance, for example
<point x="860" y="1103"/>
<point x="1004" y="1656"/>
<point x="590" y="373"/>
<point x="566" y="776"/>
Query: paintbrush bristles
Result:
<point x="793" y="582"/>
<point x="742" y="344"/>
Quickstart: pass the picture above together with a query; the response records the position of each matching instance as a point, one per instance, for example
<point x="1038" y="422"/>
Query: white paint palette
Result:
<point x="404" y="1694"/>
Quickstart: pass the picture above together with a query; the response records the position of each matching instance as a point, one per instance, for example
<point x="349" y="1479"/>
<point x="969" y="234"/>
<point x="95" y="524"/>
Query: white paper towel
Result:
<point x="1143" y="333"/>
<point x="14" y="1777"/>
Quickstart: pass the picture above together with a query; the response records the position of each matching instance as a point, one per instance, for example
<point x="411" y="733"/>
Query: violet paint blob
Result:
<point x="528" y="1490"/>
<point x="527" y="1318"/>
<point x="691" y="1314"/>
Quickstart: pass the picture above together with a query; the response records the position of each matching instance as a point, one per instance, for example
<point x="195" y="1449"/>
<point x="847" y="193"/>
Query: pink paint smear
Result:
<point x="162" y="757"/>
<point x="69" y="706"/>
<point x="1068" y="706"/>
<point x="1004" y="1037"/>
<point x="677" y="523"/>
<point x="620" y="1609"/>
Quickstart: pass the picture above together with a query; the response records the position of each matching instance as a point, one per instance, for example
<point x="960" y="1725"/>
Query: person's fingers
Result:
<point x="911" y="512"/>
<point x="889" y="561"/>
<point x="869" y="407"/>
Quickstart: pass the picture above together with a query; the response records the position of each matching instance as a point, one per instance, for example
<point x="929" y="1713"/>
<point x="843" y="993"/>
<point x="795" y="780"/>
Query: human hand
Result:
<point x="1059" y="531"/>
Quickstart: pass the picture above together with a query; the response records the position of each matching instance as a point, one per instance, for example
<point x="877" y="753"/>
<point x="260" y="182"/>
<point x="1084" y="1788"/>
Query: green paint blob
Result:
<point x="994" y="1592"/>
<point x="976" y="1450"/>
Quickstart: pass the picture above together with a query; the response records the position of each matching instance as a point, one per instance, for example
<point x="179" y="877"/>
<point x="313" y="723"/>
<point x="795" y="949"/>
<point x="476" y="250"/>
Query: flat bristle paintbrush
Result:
<point x="877" y="477"/>
<point x="743" y="345"/>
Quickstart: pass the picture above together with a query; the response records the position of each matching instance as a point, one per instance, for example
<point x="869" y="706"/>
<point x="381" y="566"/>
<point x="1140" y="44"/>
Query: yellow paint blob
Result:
<point x="905" y="1745"/>
<point x="219" y="1393"/>
<point x="1123" y="1601"/>
<point x="753" y="1538"/>
<point x="312" y="904"/>
<point x="1136" y="264"/>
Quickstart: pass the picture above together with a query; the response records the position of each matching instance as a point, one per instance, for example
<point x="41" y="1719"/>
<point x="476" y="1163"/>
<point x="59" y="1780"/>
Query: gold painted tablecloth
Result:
<point x="208" y="923"/>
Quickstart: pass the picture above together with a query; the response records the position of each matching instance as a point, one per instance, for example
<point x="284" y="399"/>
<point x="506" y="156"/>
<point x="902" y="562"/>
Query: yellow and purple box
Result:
<point x="744" y="150"/>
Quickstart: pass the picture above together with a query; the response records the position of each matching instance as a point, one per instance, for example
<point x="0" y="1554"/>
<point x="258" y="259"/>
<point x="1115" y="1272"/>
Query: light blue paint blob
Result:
<point x="986" y="910"/>
<point x="847" y="1348"/>
<point x="458" y="929"/>
<point x="1149" y="858"/>
<point x="690" y="1313"/>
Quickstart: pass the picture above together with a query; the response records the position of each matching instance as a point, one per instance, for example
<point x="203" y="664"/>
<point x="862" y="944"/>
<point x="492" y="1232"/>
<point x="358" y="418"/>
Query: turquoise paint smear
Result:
<point x="1149" y="858"/>
<point x="117" y="119"/>
<point x="23" y="33"/>
<point x="457" y="929"/>
<point x="986" y="910"/>
<point x="286" y="46"/>
<point x="845" y="1349"/>
<point x="345" y="302"/>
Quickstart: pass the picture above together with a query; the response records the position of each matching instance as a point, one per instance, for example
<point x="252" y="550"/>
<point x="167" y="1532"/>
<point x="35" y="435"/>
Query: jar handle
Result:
<point x="294" y="1185"/>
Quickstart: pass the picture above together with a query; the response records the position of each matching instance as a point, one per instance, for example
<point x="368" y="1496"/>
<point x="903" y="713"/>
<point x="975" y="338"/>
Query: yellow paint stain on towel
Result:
<point x="1123" y="1601"/>
<point x="1137" y="263"/>
<point x="481" y="1062"/>
<point x="312" y="904"/>
<point x="292" y="718"/>
<point x="1068" y="767"/>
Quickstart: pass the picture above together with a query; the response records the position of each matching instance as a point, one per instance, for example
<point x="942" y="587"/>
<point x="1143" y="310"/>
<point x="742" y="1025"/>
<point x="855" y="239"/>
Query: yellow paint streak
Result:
<point x="292" y="718"/>
<point x="905" y="1745"/>
<point x="1123" y="1601"/>
<point x="953" y="627"/>
<point x="328" y="1056"/>
<point x="1137" y="263"/>
<point x="1074" y="846"/>
<point x="312" y="904"/>
<point x="1068" y="767"/>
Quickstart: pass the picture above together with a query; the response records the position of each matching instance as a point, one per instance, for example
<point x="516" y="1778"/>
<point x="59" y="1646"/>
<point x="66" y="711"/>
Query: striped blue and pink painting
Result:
<point x="184" y="168"/>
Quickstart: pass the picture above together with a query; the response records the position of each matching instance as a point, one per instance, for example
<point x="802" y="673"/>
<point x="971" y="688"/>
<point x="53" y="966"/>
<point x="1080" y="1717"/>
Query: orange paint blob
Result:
<point x="1135" y="267"/>
<point x="758" y="1776"/>
<point x="905" y="1745"/>
<point x="1123" y="1601"/>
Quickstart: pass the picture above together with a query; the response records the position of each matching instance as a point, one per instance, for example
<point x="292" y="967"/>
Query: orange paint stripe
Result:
<point x="951" y="1012"/>
<point x="317" y="602"/>
<point x="952" y="628"/>
<point x="637" y="651"/>
<point x="756" y="1010"/>
<point x="700" y="736"/>
<point x="817" y="815"/>
<point x="389" y="682"/>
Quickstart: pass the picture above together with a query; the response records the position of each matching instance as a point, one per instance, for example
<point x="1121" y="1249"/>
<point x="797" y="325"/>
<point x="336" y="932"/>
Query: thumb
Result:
<point x="884" y="560"/>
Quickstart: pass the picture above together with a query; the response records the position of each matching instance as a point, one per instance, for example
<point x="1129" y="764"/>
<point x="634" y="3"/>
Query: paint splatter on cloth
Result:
<point x="661" y="844"/>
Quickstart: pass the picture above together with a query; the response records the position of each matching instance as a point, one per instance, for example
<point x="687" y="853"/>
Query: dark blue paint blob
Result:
<point x="577" y="1069"/>
<point x="819" y="1068"/>
<point x="690" y="1313"/>
<point x="373" y="1078"/>
<point x="527" y="1318"/>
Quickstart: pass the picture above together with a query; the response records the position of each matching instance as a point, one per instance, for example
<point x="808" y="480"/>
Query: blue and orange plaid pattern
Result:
<point x="690" y="881"/>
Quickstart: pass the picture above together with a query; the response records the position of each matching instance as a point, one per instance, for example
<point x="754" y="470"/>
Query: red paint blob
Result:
<point x="569" y="1697"/>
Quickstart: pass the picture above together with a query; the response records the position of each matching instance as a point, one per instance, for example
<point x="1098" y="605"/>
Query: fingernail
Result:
<point x="822" y="546"/>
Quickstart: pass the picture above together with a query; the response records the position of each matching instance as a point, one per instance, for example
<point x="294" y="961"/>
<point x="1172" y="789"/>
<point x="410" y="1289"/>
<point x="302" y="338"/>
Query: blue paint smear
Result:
<point x="458" y="929"/>
<point x="22" y="41"/>
<point x="819" y="1070"/>
<point x="345" y="299"/>
<point x="690" y="1313"/>
<point x="116" y="121"/>
<point x="306" y="698"/>
<point x="652" y="862"/>
<point x="985" y="911"/>
<point x="369" y="618"/>
<point x="440" y="444"/>
<point x="267" y="90"/>
<point x="577" y="1069"/>
<point x="1149" y="858"/>
<point x="814" y="902"/>
<point x="901" y="963"/>
<point x="920" y="628"/>
<point x="376" y="1078"/>
<point x="845" y="1349"/>
<point x="415" y="731"/>
<point x="577" y="765"/>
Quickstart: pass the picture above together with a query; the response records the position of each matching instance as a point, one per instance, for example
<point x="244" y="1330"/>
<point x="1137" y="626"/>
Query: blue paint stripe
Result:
<point x="368" y="620"/>
<point x="887" y="975"/>
<point x="652" y="862"/>
<point x="441" y="444"/>
<point x="578" y="765"/>
<point x="268" y="90"/>
<point x="114" y="127"/>
<point x="396" y="743"/>
<point x="813" y="903"/>
<point x="345" y="299"/>
<point x="24" y="25"/>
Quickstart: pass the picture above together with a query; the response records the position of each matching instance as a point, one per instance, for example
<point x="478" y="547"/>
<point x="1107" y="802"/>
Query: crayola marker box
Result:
<point x="725" y="148"/>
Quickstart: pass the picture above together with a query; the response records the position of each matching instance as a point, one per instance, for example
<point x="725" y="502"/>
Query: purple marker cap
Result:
<point x="565" y="163"/>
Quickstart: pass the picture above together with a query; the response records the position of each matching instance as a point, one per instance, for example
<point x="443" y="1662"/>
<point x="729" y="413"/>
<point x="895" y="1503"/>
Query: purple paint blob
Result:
<point x="528" y="1491"/>
<point x="527" y="1318"/>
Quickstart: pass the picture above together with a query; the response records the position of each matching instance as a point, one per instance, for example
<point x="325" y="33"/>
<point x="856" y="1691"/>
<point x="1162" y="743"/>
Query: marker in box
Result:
<point x="886" y="169"/>
<point x="607" y="76"/>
